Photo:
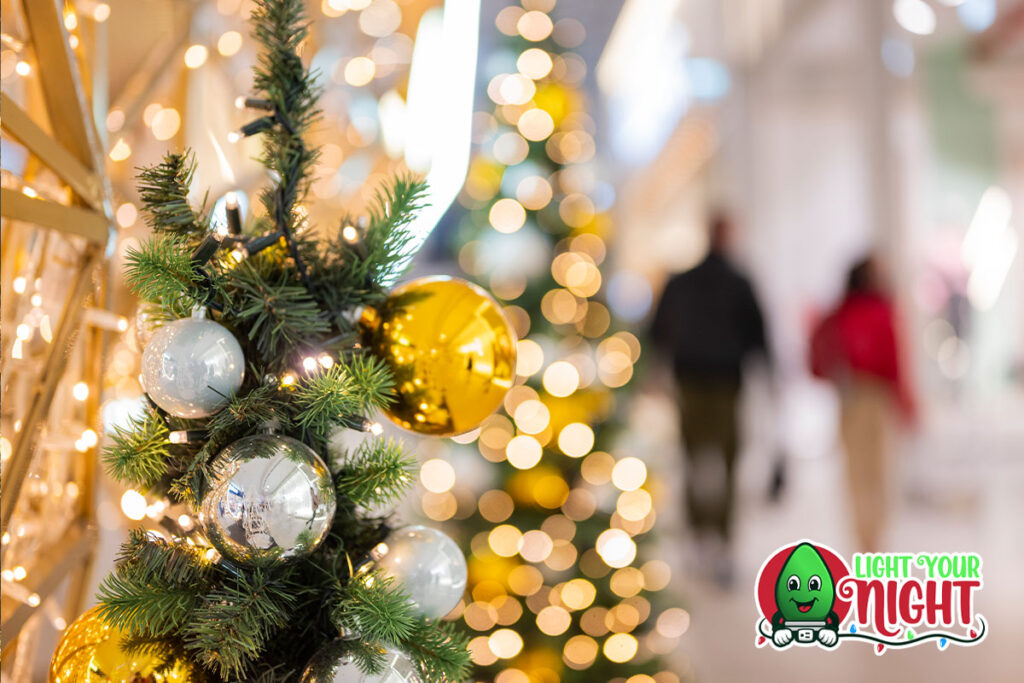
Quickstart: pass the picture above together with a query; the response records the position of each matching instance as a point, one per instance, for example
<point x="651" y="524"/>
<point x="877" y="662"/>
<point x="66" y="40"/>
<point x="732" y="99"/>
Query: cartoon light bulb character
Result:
<point x="805" y="594"/>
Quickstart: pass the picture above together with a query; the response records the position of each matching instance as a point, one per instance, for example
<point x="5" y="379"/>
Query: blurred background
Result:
<point x="578" y="152"/>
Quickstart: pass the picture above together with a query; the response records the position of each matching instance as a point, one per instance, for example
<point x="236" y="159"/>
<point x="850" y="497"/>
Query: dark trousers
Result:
<point x="709" y="429"/>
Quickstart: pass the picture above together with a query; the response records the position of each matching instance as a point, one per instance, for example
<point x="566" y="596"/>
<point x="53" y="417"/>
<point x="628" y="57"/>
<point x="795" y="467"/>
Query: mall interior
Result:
<point x="580" y="156"/>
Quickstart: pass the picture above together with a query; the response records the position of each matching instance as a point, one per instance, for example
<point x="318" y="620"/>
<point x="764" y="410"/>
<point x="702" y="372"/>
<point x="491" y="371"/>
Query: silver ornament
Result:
<point x="427" y="564"/>
<point x="192" y="366"/>
<point x="332" y="665"/>
<point x="271" y="497"/>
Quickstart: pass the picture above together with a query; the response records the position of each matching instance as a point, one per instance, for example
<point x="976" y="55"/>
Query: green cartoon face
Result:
<point x="804" y="590"/>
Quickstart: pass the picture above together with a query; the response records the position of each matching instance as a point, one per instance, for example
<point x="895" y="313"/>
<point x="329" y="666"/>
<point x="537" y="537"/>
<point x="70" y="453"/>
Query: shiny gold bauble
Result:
<point x="451" y="349"/>
<point x="90" y="651"/>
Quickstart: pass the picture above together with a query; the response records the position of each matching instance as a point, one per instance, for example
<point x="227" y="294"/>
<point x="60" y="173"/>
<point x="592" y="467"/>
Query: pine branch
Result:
<point x="229" y="630"/>
<point x="278" y="314"/>
<point x="160" y="272"/>
<point x="164" y="189"/>
<point x="379" y="472"/>
<point x="376" y="608"/>
<point x="246" y="411"/>
<point x="324" y="400"/>
<point x="382" y="255"/>
<point x="155" y="586"/>
<point x="139" y="452"/>
<point x="440" y="650"/>
<point x="372" y="381"/>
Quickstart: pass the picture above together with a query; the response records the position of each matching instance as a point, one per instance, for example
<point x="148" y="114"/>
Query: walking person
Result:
<point x="856" y="348"/>
<point x="709" y="323"/>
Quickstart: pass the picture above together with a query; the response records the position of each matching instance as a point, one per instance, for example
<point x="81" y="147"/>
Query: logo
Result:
<point x="808" y="595"/>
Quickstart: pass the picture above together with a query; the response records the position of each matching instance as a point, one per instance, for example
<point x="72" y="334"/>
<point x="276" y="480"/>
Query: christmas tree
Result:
<point x="266" y="339"/>
<point x="561" y="588"/>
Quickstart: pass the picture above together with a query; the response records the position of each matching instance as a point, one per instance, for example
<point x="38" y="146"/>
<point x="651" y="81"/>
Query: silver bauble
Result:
<point x="271" y="497"/>
<point x="192" y="366"/>
<point x="147" y="322"/>
<point x="332" y="665"/>
<point x="427" y="564"/>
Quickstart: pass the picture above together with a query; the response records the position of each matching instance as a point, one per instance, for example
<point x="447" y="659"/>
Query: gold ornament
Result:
<point x="90" y="651"/>
<point x="451" y="349"/>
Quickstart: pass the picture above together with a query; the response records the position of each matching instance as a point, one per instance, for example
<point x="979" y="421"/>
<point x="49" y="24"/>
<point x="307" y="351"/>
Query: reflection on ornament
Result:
<point x="271" y="497"/>
<point x="89" y="651"/>
<point x="427" y="564"/>
<point x="332" y="664"/>
<point x="451" y="349"/>
<point x="192" y="366"/>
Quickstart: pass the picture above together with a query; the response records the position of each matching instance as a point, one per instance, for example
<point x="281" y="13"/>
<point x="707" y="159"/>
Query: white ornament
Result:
<point x="332" y="665"/>
<point x="192" y="366"/>
<point x="427" y="564"/>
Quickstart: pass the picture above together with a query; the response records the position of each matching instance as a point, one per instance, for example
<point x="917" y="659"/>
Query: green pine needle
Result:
<point x="376" y="608"/>
<point x="373" y="383"/>
<point x="160" y="272"/>
<point x="229" y="630"/>
<point x="379" y="472"/>
<point x="139" y="451"/>
<point x="164" y="189"/>
<point x="440" y="650"/>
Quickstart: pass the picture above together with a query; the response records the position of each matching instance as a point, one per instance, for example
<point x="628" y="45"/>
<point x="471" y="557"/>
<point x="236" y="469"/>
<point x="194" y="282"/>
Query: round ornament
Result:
<point x="451" y="349"/>
<point x="147" y="322"/>
<point x="192" y="366"/>
<point x="89" y="651"/>
<point x="427" y="564"/>
<point x="271" y="497"/>
<point x="332" y="665"/>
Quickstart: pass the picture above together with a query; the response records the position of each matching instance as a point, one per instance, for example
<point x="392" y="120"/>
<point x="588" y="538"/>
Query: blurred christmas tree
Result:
<point x="560" y="590"/>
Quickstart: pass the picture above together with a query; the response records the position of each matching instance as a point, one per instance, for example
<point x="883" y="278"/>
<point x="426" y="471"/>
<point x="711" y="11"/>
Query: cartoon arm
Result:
<point x="781" y="635"/>
<point x="829" y="635"/>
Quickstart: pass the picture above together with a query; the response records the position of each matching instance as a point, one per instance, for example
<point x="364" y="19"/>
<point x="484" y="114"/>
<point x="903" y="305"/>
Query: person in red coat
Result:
<point x="856" y="347"/>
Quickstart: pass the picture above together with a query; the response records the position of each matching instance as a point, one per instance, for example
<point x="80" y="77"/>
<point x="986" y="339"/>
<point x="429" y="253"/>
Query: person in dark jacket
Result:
<point x="709" y="323"/>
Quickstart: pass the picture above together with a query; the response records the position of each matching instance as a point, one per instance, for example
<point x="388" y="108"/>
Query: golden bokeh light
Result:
<point x="440" y="507"/>
<point x="166" y="123"/>
<point x="580" y="652"/>
<point x="534" y="26"/>
<point x="480" y="652"/>
<point x="634" y="505"/>
<point x="622" y="618"/>
<point x="480" y="616"/>
<point x="561" y="378"/>
<point x="529" y="358"/>
<point x="551" y="491"/>
<point x="229" y="43"/>
<point x="534" y="63"/>
<point x="523" y="451"/>
<point x="536" y="546"/>
<point x="496" y="506"/>
<point x="437" y="476"/>
<point x="195" y="56"/>
<point x="576" y="439"/>
<point x="534" y="192"/>
<point x="505" y="643"/>
<point x="126" y="215"/>
<point x="616" y="548"/>
<point x="505" y="540"/>
<point x="359" y="71"/>
<point x="629" y="474"/>
<point x="120" y="151"/>
<point x="535" y="124"/>
<point x="657" y="575"/>
<point x="507" y="215"/>
<point x="579" y="505"/>
<point x="532" y="416"/>
<point x="620" y="647"/>
<point x="627" y="582"/>
<point x="510" y="148"/>
<point x="597" y="468"/>
<point x="553" y="620"/>
<point x="509" y="609"/>
<point x="561" y="307"/>
<point x="673" y="622"/>
<point x="507" y="19"/>
<point x="559" y="527"/>
<point x="525" y="580"/>
<point x="578" y="594"/>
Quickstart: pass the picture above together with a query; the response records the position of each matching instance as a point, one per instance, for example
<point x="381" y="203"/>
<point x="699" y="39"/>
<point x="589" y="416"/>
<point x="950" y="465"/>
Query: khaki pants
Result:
<point x="865" y="427"/>
<point x="709" y="430"/>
